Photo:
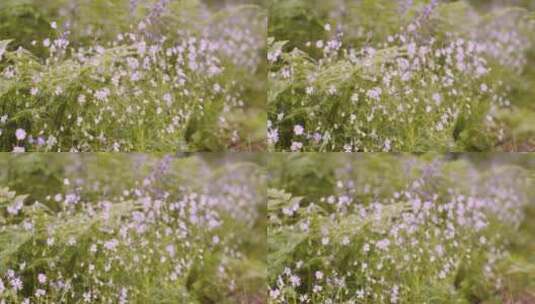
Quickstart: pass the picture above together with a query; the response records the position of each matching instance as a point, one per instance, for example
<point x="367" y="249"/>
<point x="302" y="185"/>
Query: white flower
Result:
<point x="331" y="90"/>
<point x="54" y="25"/>
<point x="2" y="51"/>
<point x="40" y="293"/>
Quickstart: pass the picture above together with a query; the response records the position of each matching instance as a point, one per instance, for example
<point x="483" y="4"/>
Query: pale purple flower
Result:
<point x="296" y="146"/>
<point x="16" y="284"/>
<point x="295" y="280"/>
<point x="298" y="130"/>
<point x="20" y="134"/>
<point x="383" y="244"/>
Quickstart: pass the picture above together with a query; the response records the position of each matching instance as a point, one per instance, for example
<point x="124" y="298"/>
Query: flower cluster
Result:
<point x="370" y="243"/>
<point x="411" y="92"/>
<point x="151" y="88"/>
<point x="150" y="241"/>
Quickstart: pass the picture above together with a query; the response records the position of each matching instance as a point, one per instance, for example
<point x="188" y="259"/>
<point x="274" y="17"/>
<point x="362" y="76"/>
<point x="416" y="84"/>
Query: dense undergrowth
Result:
<point x="132" y="75"/>
<point x="103" y="228"/>
<point x="401" y="76"/>
<point x="377" y="228"/>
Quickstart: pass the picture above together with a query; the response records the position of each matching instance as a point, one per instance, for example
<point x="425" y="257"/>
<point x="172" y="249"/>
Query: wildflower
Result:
<point x="20" y="134"/>
<point x="383" y="244"/>
<point x="41" y="278"/>
<point x="318" y="275"/>
<point x="58" y="91"/>
<point x="374" y="93"/>
<point x="102" y="95"/>
<point x="411" y="49"/>
<point x="111" y="244"/>
<point x="331" y="90"/>
<point x="274" y="293"/>
<point x="295" y="280"/>
<point x="387" y="145"/>
<point x="273" y="136"/>
<point x="87" y="297"/>
<point x="170" y="250"/>
<point x="317" y="289"/>
<point x="16" y="284"/>
<point x="437" y="98"/>
<point x="81" y="99"/>
<point x="40" y="292"/>
<point x="298" y="130"/>
<point x="317" y="137"/>
<point x="296" y="146"/>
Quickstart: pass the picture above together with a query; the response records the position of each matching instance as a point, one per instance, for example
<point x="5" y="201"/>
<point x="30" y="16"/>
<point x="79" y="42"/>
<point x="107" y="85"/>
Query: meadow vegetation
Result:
<point x="384" y="228"/>
<point x="136" y="228"/>
<point x="401" y="75"/>
<point x="158" y="75"/>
